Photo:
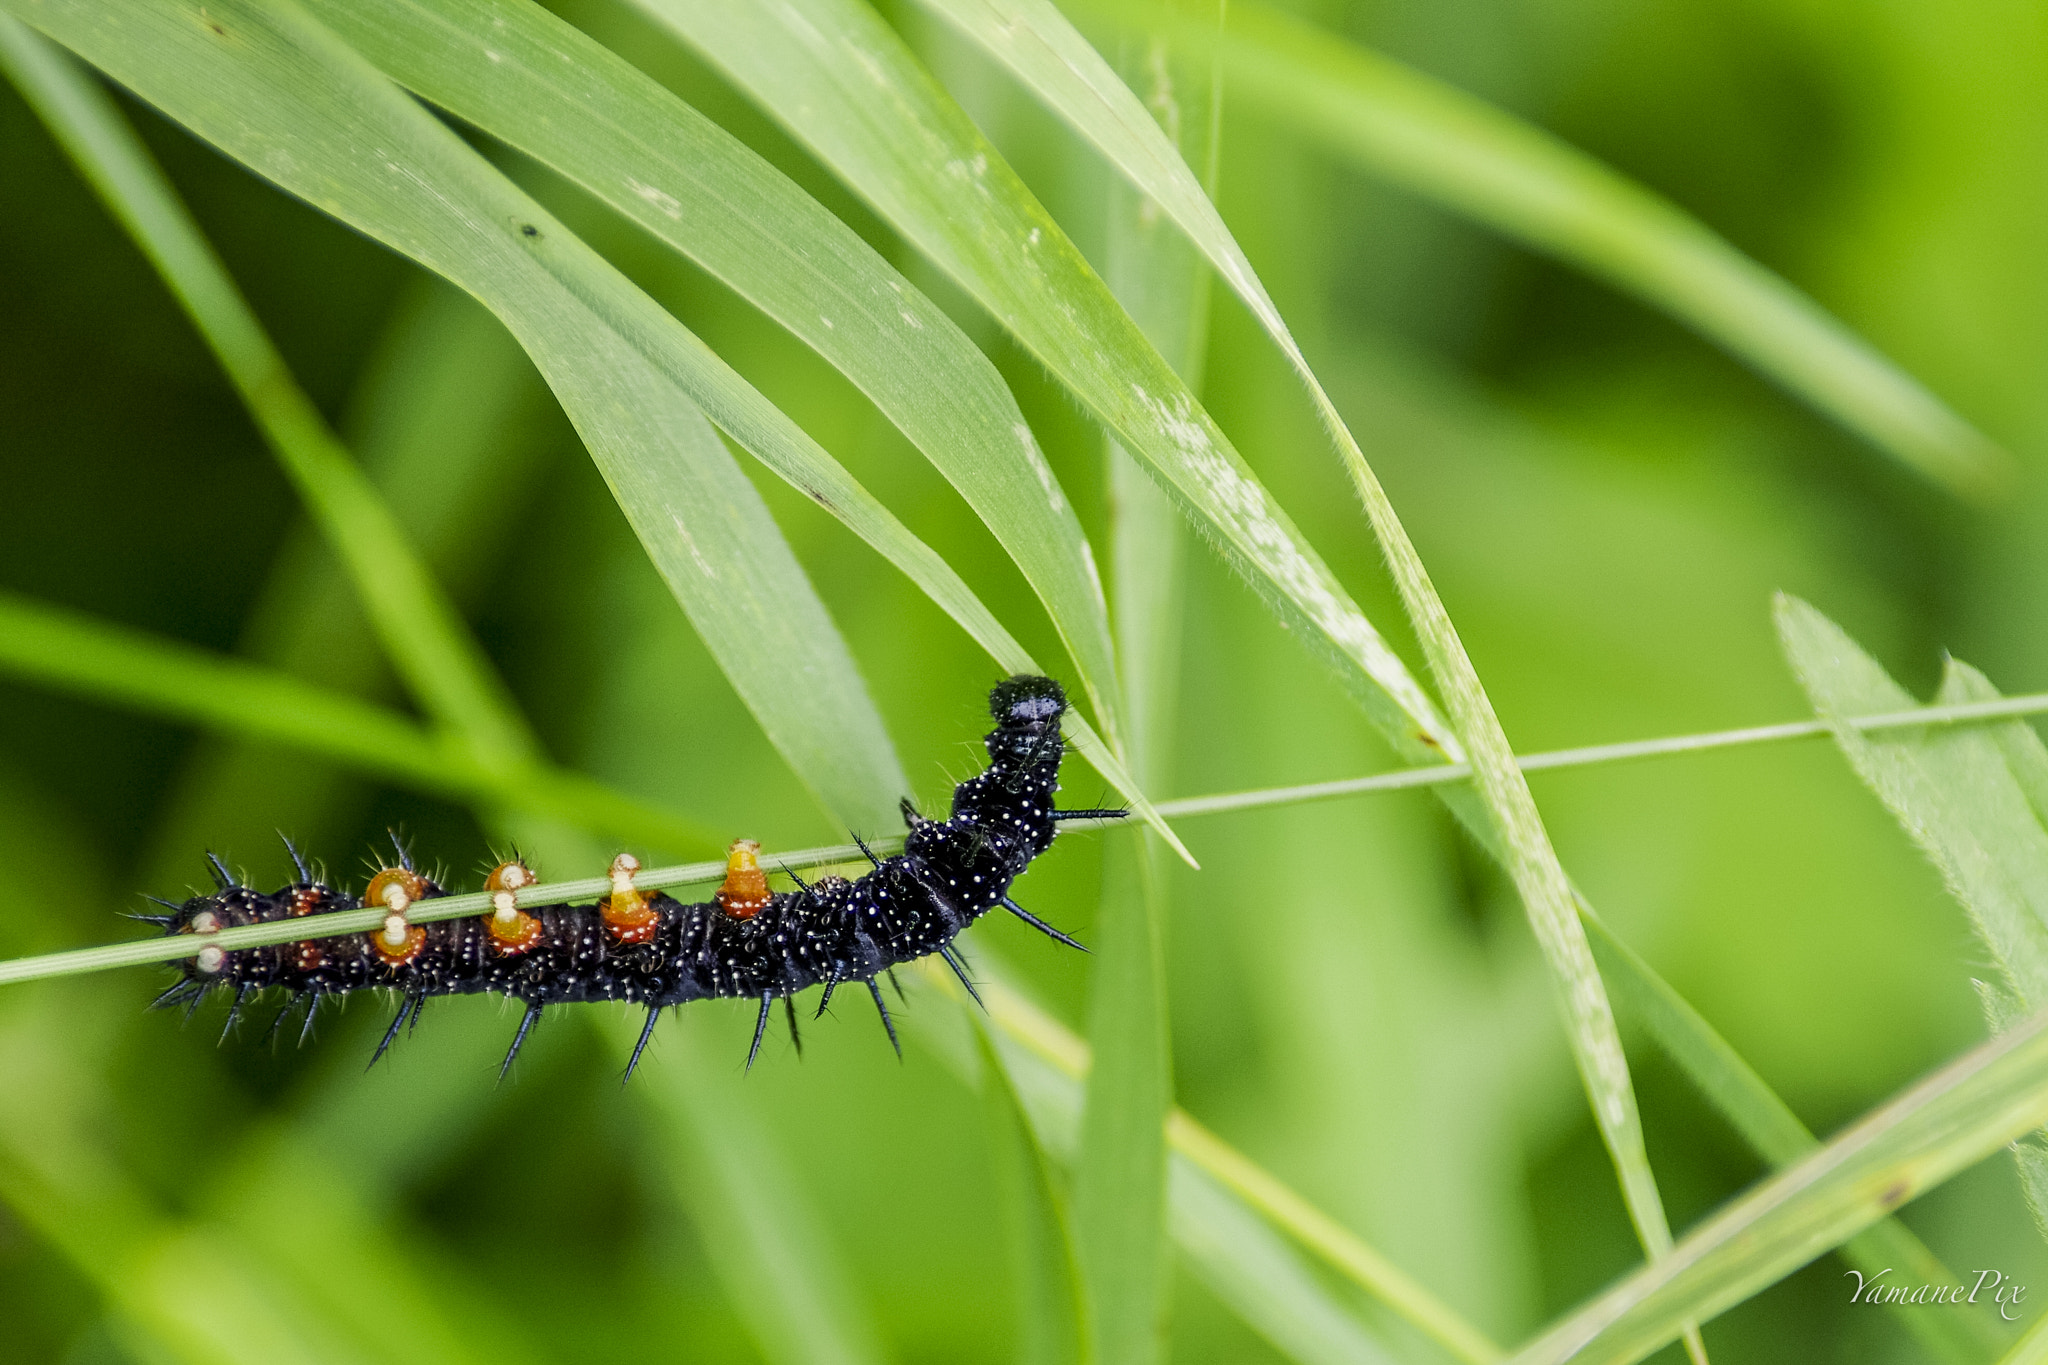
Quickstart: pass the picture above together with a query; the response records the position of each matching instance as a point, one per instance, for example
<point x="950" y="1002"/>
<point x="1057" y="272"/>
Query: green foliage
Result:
<point x="943" y="270"/>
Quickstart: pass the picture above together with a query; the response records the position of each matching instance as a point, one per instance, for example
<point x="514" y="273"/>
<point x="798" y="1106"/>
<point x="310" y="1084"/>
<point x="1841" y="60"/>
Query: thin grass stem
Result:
<point x="1400" y="778"/>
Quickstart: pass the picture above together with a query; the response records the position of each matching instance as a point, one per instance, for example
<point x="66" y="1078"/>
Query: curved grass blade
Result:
<point x="273" y="89"/>
<point x="1120" y="1184"/>
<point x="78" y="654"/>
<point x="1039" y="44"/>
<point x="1775" y="1133"/>
<point x="1047" y="1279"/>
<point x="420" y="628"/>
<point x="448" y="422"/>
<point x="1047" y="1064"/>
<point x="846" y="85"/>
<point x="768" y="1246"/>
<point x="1988" y="1097"/>
<point x="1477" y="160"/>
<point x="526" y="77"/>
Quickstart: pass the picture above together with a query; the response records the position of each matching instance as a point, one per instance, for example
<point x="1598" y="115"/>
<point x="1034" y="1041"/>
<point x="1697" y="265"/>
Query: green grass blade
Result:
<point x="1120" y="1185"/>
<point x="1953" y="791"/>
<point x="1983" y="1100"/>
<point x="767" y="1243"/>
<point x="1775" y="1133"/>
<point x="2031" y="1349"/>
<point x="420" y="628"/>
<point x="884" y="126"/>
<point x="61" y="1183"/>
<point x="1972" y="799"/>
<point x="74" y="653"/>
<point x="271" y="88"/>
<point x="1251" y="1268"/>
<point x="1047" y="1064"/>
<point x="1120" y="1196"/>
<point x="448" y="422"/>
<point x="1050" y="1326"/>
<point x="526" y="77"/>
<point x="1470" y="157"/>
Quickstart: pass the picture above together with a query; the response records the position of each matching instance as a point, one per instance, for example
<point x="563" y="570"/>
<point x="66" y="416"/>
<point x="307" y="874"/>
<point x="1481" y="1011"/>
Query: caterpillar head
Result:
<point x="1026" y="702"/>
<point x="1027" y="711"/>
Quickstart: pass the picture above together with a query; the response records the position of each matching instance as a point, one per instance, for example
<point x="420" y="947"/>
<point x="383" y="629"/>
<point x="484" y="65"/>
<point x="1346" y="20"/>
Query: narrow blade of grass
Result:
<point x="1970" y="798"/>
<point x="766" y="1242"/>
<point x="2031" y="1349"/>
<point x="1475" y="159"/>
<point x="1048" y="1065"/>
<point x="1990" y="1096"/>
<point x="847" y="86"/>
<point x="1120" y="1187"/>
<point x="1050" y="1320"/>
<point x="530" y="79"/>
<point x="419" y="627"/>
<point x="1775" y="1133"/>
<point x="1253" y="1270"/>
<point x="1120" y="1212"/>
<point x="276" y="91"/>
<point x="75" y="653"/>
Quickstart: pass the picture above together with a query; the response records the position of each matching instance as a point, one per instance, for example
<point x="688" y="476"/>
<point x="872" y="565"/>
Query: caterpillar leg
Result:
<point x="646" y="1032"/>
<point x="312" y="1013"/>
<point x="796" y="1039"/>
<point x="1040" y="925"/>
<point x="825" y="1001"/>
<point x="277" y="1021"/>
<point x="890" y="1024"/>
<point x="760" y="1027"/>
<point x="959" y="967"/>
<point x="242" y="993"/>
<point x="173" y="994"/>
<point x="526" y="1024"/>
<point x="409" y="1003"/>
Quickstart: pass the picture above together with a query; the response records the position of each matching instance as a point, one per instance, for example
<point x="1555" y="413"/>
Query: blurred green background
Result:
<point x="1606" y="503"/>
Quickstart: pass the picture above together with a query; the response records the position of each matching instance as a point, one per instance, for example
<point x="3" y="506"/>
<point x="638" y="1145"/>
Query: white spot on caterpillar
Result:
<point x="394" y="930"/>
<point x="211" y="959"/>
<point x="205" y="922"/>
<point x="504" y="908"/>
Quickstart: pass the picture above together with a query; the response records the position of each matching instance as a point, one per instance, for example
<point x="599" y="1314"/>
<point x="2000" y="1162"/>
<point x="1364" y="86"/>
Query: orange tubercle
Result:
<point x="398" y="942"/>
<point x="745" y="893"/>
<point x="511" y="876"/>
<point x="394" y="888"/>
<point x="627" y="913"/>
<point x="513" y="931"/>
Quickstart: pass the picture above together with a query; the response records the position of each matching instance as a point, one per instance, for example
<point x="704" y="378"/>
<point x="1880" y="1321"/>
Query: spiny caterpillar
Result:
<point x="647" y="948"/>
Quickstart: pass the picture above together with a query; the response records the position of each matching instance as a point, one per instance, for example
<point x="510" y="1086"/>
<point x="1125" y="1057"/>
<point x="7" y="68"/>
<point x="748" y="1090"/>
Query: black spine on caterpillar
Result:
<point x="650" y="949"/>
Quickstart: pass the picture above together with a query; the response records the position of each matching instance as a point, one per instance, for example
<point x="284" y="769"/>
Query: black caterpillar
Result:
<point x="648" y="948"/>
